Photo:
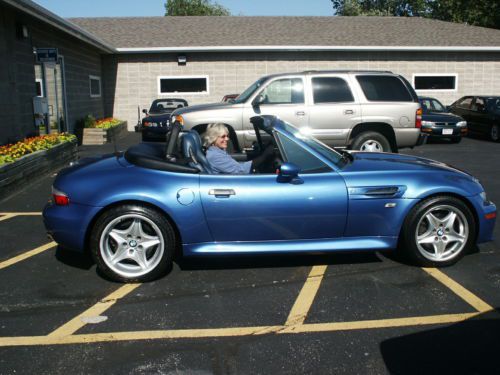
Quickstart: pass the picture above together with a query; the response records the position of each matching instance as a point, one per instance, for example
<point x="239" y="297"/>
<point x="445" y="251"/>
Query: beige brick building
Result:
<point x="440" y="59"/>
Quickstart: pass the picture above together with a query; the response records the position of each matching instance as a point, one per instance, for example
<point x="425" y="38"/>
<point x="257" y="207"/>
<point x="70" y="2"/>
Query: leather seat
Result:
<point x="191" y="148"/>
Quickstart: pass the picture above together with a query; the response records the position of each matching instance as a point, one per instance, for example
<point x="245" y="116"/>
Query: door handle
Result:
<point x="300" y="113"/>
<point x="348" y="112"/>
<point x="221" y="193"/>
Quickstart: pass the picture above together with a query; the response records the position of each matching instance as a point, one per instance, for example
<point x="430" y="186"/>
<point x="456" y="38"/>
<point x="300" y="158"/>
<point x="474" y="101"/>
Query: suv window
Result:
<point x="384" y="89"/>
<point x="465" y="103"/>
<point x="284" y="91"/>
<point x="307" y="162"/>
<point x="331" y="90"/>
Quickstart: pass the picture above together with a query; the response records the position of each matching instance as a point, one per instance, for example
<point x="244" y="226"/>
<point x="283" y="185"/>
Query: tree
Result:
<point x="194" y="8"/>
<point x="479" y="12"/>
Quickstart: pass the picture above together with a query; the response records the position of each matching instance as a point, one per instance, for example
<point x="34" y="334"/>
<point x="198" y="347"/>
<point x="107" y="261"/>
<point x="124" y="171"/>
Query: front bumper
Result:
<point x="155" y="133"/>
<point x="439" y="132"/>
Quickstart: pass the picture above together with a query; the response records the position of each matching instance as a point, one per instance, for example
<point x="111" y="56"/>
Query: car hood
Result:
<point x="441" y="117"/>
<point x="204" y="107"/>
<point x="380" y="162"/>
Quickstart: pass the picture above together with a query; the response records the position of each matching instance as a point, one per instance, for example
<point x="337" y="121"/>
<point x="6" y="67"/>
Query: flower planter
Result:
<point x="96" y="136"/>
<point x="16" y="175"/>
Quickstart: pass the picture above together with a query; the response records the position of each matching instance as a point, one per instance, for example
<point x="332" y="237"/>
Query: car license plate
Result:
<point x="447" y="131"/>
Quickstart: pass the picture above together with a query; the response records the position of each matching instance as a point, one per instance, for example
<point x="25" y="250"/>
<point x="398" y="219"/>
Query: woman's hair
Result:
<point x="213" y="132"/>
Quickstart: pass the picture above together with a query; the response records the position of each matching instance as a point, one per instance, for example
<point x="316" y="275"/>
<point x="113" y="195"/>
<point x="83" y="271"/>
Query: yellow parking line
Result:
<point x="78" y="322"/>
<point x="232" y="332"/>
<point x="10" y="215"/>
<point x="306" y="296"/>
<point x="26" y="255"/>
<point x="6" y="216"/>
<point x="459" y="290"/>
<point x="381" y="323"/>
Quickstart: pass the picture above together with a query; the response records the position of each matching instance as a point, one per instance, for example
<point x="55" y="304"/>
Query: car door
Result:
<point x="462" y="108"/>
<point x="282" y="97"/>
<point x="333" y="110"/>
<point x="260" y="208"/>
<point x="479" y="115"/>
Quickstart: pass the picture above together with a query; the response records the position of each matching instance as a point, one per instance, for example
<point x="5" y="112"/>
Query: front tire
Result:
<point x="438" y="232"/>
<point x="371" y="142"/>
<point x="132" y="243"/>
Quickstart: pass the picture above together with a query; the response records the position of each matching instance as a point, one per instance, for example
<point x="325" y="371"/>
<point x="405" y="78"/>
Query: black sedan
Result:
<point x="437" y="122"/>
<point x="156" y="124"/>
<point x="482" y="114"/>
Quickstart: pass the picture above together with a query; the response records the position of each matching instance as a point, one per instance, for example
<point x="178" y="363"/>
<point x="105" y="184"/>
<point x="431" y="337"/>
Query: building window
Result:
<point x="435" y="82"/>
<point x="95" y="86"/>
<point x="39" y="87"/>
<point x="192" y="85"/>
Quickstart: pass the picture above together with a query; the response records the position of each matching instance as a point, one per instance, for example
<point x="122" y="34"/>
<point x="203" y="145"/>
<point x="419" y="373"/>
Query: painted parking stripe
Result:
<point x="6" y="216"/>
<point x="232" y="332"/>
<point x="26" y="255"/>
<point x="306" y="296"/>
<point x="10" y="215"/>
<point x="100" y="307"/>
<point x="459" y="290"/>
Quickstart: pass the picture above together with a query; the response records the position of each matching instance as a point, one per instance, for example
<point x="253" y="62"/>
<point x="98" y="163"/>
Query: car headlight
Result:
<point x="462" y="123"/>
<point x="178" y="118"/>
<point x="428" y="123"/>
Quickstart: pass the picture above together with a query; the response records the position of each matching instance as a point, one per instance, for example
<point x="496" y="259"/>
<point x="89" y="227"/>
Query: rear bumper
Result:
<point x="67" y="225"/>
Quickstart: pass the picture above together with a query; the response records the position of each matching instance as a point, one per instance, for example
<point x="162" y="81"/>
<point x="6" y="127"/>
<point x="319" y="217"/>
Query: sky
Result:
<point x="131" y="8"/>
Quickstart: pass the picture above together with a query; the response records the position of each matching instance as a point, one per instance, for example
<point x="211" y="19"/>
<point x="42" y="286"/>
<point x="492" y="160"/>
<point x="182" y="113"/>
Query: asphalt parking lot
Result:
<point x="322" y="314"/>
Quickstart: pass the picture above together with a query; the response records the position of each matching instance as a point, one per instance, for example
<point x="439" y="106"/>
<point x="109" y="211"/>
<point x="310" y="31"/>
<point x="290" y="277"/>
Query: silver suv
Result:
<point x="362" y="110"/>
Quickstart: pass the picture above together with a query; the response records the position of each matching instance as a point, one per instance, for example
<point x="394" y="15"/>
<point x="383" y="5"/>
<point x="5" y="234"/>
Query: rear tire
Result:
<point x="371" y="142"/>
<point x="132" y="243"/>
<point x="438" y="232"/>
<point x="495" y="133"/>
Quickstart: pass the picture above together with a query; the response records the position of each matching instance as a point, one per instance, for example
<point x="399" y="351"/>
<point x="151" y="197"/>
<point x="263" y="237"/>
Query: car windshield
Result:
<point x="167" y="105"/>
<point x="249" y="91"/>
<point x="437" y="106"/>
<point x="316" y="145"/>
<point x="431" y="105"/>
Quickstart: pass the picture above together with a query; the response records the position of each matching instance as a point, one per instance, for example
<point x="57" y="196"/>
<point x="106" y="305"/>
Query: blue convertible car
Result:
<point x="132" y="210"/>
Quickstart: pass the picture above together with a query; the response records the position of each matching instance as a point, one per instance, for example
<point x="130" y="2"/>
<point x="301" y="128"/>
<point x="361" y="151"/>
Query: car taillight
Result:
<point x="418" y="118"/>
<point x="60" y="198"/>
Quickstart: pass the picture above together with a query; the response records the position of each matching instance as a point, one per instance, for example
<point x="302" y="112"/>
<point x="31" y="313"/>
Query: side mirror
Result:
<point x="145" y="111"/>
<point x="259" y="99"/>
<point x="289" y="173"/>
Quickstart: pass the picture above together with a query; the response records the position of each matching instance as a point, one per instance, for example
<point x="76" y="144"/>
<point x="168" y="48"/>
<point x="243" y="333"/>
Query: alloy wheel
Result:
<point x="131" y="245"/>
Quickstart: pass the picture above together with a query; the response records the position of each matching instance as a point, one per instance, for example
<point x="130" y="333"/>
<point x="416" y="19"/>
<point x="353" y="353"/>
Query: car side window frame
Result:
<point x="344" y="79"/>
<point x="266" y="86"/>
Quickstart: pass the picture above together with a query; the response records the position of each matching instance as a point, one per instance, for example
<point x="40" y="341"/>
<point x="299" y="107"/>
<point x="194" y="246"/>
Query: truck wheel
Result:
<point x="494" y="133"/>
<point x="371" y="142"/>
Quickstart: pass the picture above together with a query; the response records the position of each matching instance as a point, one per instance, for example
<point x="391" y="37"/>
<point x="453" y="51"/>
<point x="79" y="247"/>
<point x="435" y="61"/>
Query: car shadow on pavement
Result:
<point x="468" y="347"/>
<point x="270" y="261"/>
<point x="74" y="258"/>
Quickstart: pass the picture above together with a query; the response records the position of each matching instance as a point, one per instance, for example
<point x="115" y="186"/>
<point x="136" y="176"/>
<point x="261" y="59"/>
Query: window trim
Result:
<point x="96" y="78"/>
<point x="435" y="75"/>
<point x="40" y="81"/>
<point x="158" y="85"/>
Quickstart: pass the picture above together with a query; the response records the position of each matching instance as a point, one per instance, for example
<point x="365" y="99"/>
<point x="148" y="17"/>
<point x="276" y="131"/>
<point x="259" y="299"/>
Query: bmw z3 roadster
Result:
<point x="132" y="210"/>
